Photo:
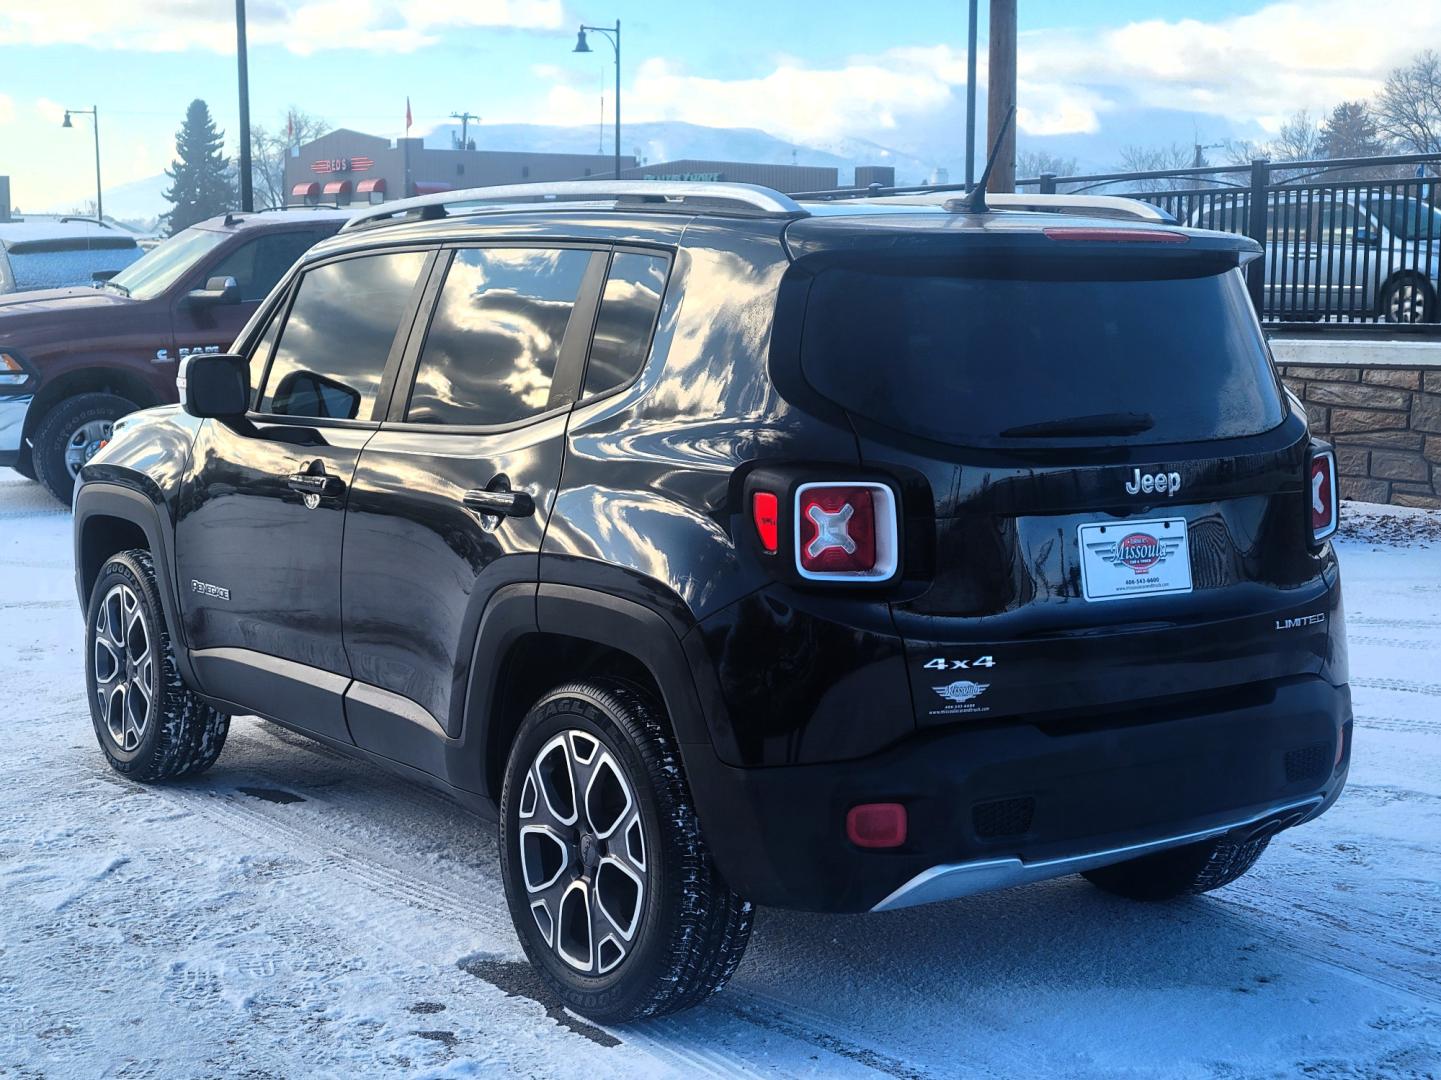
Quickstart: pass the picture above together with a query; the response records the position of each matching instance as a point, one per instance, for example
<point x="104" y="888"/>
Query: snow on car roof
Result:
<point x="14" y="232"/>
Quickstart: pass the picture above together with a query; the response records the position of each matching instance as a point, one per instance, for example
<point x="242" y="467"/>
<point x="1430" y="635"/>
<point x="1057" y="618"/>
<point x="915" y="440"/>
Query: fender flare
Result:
<point x="590" y="615"/>
<point x="108" y="499"/>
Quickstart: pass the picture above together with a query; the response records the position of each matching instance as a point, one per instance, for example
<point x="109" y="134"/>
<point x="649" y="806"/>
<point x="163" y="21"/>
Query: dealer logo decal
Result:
<point x="1140" y="551"/>
<point x="961" y="691"/>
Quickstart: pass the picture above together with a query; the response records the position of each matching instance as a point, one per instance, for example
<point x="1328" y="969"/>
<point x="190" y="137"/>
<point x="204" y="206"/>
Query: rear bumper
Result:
<point x="13" y="408"/>
<point x="996" y="804"/>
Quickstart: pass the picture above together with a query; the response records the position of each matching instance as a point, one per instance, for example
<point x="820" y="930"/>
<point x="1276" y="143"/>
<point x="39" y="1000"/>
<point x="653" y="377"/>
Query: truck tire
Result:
<point x="149" y="724"/>
<point x="1182" y="871"/>
<point x="69" y="434"/>
<point x="610" y="884"/>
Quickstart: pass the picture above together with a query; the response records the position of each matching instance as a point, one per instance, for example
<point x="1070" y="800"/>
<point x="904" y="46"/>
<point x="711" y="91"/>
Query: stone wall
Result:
<point x="1385" y="422"/>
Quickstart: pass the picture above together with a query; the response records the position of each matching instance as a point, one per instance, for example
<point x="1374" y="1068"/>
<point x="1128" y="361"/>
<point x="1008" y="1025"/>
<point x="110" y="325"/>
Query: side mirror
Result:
<point x="103" y="275"/>
<point x="214" y="385"/>
<point x="218" y="290"/>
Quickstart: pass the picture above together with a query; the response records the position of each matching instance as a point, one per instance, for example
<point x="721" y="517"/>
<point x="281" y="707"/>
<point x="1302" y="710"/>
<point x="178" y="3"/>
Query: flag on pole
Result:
<point x="407" y="114"/>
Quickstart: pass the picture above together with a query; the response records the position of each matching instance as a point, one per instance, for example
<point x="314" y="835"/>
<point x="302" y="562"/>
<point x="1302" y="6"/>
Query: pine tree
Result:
<point x="1351" y="132"/>
<point x="202" y="181"/>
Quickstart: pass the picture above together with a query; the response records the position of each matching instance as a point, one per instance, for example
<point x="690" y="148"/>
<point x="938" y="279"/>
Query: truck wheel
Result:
<point x="69" y="435"/>
<point x="150" y="726"/>
<point x="1183" y="871"/>
<point x="610" y="883"/>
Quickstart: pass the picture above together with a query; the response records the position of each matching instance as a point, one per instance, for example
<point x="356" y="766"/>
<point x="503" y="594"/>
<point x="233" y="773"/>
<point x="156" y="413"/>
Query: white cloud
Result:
<point x="1250" y="68"/>
<point x="7" y="108"/>
<point x="302" y="26"/>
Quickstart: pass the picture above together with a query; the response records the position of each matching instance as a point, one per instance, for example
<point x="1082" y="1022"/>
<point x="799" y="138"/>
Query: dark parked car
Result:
<point x="47" y="253"/>
<point x="74" y="360"/>
<point x="731" y="550"/>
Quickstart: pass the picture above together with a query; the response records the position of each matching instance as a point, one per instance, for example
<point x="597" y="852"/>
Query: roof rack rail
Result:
<point x="1112" y="206"/>
<point x="675" y="196"/>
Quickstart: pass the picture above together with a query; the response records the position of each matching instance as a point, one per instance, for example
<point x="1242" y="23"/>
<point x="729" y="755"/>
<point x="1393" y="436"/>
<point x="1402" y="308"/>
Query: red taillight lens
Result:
<point x="837" y="530"/>
<point x="877" y="825"/>
<point x="1325" y="509"/>
<point x="846" y="531"/>
<point x="766" y="513"/>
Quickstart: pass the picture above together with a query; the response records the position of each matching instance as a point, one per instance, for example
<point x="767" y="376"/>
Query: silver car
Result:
<point x="1344" y="255"/>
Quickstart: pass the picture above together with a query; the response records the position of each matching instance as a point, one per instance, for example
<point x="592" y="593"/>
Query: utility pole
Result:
<point x="1001" y="94"/>
<point x="971" y="98"/>
<point x="247" y="196"/>
<point x="465" y="118"/>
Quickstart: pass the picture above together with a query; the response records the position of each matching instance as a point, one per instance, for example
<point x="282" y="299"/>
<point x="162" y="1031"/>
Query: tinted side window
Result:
<point x="494" y="340"/>
<point x="260" y="353"/>
<point x="334" y="345"/>
<point x="628" y="310"/>
<point x="258" y="265"/>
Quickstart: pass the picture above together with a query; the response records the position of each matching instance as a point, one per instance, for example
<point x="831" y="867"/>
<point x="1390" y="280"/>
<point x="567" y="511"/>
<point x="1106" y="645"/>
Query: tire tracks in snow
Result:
<point x="471" y="910"/>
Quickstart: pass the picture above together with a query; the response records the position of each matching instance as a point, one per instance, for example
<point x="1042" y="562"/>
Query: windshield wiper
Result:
<point x="1111" y="423"/>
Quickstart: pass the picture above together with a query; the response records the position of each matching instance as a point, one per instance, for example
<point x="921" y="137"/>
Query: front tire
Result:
<point x="610" y="884"/>
<point x="150" y="726"/>
<point x="1182" y="871"/>
<point x="70" y="434"/>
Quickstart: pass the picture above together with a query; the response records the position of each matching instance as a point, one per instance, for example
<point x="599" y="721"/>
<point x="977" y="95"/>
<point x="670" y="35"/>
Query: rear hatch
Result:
<point x="1103" y="480"/>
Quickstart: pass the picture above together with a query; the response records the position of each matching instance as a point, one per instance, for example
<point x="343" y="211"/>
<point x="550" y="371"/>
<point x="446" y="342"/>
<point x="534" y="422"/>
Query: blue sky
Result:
<point x="1091" y="73"/>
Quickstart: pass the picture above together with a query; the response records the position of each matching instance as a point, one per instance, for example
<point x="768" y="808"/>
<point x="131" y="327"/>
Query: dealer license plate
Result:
<point x="1134" y="558"/>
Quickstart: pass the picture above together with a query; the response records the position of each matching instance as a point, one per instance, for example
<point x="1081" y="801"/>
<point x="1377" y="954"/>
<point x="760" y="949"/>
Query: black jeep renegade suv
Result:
<point x="731" y="550"/>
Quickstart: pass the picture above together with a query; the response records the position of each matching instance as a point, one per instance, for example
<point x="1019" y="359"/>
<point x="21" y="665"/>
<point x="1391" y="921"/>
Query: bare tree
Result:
<point x="1298" y="140"/>
<point x="1035" y="162"/>
<point x="1409" y="108"/>
<point x="268" y="150"/>
<point x="1157" y="159"/>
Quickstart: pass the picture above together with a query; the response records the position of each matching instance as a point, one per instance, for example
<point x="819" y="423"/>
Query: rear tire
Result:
<point x="595" y="793"/>
<point x="69" y="434"/>
<point x="1183" y="871"/>
<point x="1408" y="299"/>
<point x="150" y="726"/>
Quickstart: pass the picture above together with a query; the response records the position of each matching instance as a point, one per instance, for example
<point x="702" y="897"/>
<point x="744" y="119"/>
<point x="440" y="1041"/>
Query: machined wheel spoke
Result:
<point x="123" y="665"/>
<point x="574" y="930"/>
<point x="582" y="852"/>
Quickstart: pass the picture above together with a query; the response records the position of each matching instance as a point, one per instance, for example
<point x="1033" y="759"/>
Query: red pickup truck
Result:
<point x="73" y="361"/>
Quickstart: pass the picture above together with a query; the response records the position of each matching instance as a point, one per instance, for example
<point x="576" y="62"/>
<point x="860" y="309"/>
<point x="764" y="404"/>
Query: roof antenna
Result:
<point x="975" y="200"/>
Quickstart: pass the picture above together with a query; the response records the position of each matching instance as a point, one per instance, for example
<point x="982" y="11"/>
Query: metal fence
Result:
<point x="1346" y="242"/>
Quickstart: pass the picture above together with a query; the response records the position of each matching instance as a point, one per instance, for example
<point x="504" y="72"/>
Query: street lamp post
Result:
<point x="612" y="35"/>
<point x="94" y="113"/>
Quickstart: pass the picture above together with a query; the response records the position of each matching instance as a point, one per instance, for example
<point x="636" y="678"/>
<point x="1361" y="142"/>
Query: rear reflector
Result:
<point x="846" y="531"/>
<point x="1088" y="234"/>
<point x="766" y="512"/>
<point x="1325" y="510"/>
<point x="877" y="825"/>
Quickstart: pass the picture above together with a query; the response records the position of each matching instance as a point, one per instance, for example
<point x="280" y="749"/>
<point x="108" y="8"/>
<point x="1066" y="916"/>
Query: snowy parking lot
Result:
<point x="296" y="913"/>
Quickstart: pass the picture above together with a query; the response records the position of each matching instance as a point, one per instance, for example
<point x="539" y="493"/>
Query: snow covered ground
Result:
<point x="295" y="913"/>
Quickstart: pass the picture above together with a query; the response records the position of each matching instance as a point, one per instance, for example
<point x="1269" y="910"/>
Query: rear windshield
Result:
<point x="71" y="266"/>
<point x="979" y="360"/>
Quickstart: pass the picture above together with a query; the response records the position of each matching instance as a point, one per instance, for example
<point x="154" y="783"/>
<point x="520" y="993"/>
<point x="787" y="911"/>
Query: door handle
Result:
<point x="315" y="484"/>
<point x="504" y="503"/>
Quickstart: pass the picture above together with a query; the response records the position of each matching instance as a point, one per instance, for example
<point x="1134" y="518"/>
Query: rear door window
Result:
<point x="625" y="322"/>
<point x="332" y="352"/>
<point x="490" y="355"/>
<point x="967" y="360"/>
